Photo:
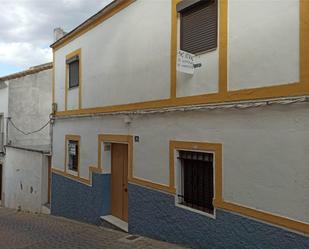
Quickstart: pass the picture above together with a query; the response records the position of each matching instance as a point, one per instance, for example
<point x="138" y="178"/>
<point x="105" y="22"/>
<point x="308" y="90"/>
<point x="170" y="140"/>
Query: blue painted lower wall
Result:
<point x="154" y="214"/>
<point x="74" y="200"/>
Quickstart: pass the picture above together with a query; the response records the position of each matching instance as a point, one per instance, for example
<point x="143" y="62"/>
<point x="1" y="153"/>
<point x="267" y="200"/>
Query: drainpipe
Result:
<point x="7" y="130"/>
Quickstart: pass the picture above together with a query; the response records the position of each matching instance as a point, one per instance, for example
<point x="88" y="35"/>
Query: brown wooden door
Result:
<point x="120" y="181"/>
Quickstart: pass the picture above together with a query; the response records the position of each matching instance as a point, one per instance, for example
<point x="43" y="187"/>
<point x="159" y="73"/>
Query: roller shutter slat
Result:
<point x="199" y="28"/>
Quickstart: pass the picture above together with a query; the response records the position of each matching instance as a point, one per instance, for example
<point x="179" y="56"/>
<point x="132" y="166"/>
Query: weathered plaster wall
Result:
<point x="29" y="107"/>
<point x="4" y="100"/>
<point x="23" y="181"/>
<point x="265" y="159"/>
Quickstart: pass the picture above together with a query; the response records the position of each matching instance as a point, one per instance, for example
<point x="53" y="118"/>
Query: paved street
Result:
<point x="20" y="230"/>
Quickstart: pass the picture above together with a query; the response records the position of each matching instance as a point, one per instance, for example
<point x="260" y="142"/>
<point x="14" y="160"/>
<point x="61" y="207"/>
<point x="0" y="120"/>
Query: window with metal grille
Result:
<point x="73" y="67"/>
<point x="198" y="25"/>
<point x="73" y="155"/>
<point x="197" y="185"/>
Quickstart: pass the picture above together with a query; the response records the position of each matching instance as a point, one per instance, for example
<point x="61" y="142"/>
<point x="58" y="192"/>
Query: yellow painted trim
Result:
<point x="75" y="138"/>
<point x="294" y="89"/>
<point x="92" y="24"/>
<point x="267" y="217"/>
<point x="110" y="138"/>
<point x="201" y="146"/>
<point x="67" y="57"/>
<point x="174" y="49"/>
<point x="102" y="138"/>
<point x="153" y="185"/>
<point x="304" y="42"/>
<point x="223" y="41"/>
<point x="92" y="169"/>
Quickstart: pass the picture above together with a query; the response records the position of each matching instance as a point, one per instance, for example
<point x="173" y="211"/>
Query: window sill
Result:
<point x="72" y="172"/>
<point x="212" y="216"/>
<point x="73" y="87"/>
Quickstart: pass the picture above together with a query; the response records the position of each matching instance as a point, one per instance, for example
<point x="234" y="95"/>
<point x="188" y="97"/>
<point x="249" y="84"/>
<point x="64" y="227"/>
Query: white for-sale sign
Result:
<point x="185" y="62"/>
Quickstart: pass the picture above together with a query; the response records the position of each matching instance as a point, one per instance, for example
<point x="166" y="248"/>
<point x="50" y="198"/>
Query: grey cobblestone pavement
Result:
<point x="19" y="230"/>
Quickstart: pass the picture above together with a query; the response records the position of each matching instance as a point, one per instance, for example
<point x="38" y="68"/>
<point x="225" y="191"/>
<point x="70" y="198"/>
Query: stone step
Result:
<point x="45" y="209"/>
<point x="110" y="221"/>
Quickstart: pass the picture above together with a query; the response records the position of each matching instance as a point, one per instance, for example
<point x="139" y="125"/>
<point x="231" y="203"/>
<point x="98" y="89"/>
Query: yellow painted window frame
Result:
<point x="75" y="138"/>
<point x="78" y="53"/>
<point x="219" y="202"/>
<point x="214" y="148"/>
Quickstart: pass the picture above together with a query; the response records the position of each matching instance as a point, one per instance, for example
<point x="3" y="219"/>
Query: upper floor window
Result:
<point x="198" y="25"/>
<point x="73" y="71"/>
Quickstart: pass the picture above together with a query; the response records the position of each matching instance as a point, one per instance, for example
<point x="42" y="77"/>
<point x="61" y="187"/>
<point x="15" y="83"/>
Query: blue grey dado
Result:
<point x="74" y="200"/>
<point x="154" y="214"/>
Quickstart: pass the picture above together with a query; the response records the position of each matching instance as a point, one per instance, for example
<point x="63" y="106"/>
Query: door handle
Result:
<point x="125" y="190"/>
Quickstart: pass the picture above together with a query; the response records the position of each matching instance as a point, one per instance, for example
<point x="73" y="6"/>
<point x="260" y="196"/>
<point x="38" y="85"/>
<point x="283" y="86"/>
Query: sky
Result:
<point x="26" y="28"/>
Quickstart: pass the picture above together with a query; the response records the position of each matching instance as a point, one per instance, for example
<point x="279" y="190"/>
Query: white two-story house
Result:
<point x="208" y="150"/>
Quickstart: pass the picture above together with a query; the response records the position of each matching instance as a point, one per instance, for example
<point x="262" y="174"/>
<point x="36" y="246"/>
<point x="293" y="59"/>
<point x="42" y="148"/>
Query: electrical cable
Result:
<point x="240" y="105"/>
<point x="32" y="132"/>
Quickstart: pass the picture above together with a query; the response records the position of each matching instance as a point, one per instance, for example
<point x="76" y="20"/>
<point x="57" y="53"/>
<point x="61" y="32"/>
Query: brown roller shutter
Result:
<point x="74" y="74"/>
<point x="199" y="27"/>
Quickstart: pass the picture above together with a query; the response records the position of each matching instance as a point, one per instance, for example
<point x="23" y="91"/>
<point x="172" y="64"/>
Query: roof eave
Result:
<point x="108" y="11"/>
<point x="33" y="70"/>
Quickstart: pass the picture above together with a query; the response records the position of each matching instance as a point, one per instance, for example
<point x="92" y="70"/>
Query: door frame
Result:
<point x="117" y="139"/>
<point x="114" y="138"/>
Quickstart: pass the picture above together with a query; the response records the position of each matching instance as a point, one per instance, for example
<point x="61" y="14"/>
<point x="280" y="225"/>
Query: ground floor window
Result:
<point x="196" y="180"/>
<point x="72" y="153"/>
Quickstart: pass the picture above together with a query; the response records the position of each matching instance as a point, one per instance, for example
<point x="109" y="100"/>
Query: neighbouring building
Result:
<point x="25" y="160"/>
<point x="216" y="157"/>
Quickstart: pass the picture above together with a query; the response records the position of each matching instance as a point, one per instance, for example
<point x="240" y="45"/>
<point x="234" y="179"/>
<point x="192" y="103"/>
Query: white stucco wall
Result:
<point x="263" y="47"/>
<point x="73" y="98"/>
<point x="125" y="59"/>
<point x="265" y="159"/>
<point x="204" y="80"/>
<point x="30" y="103"/>
<point x="24" y="185"/>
